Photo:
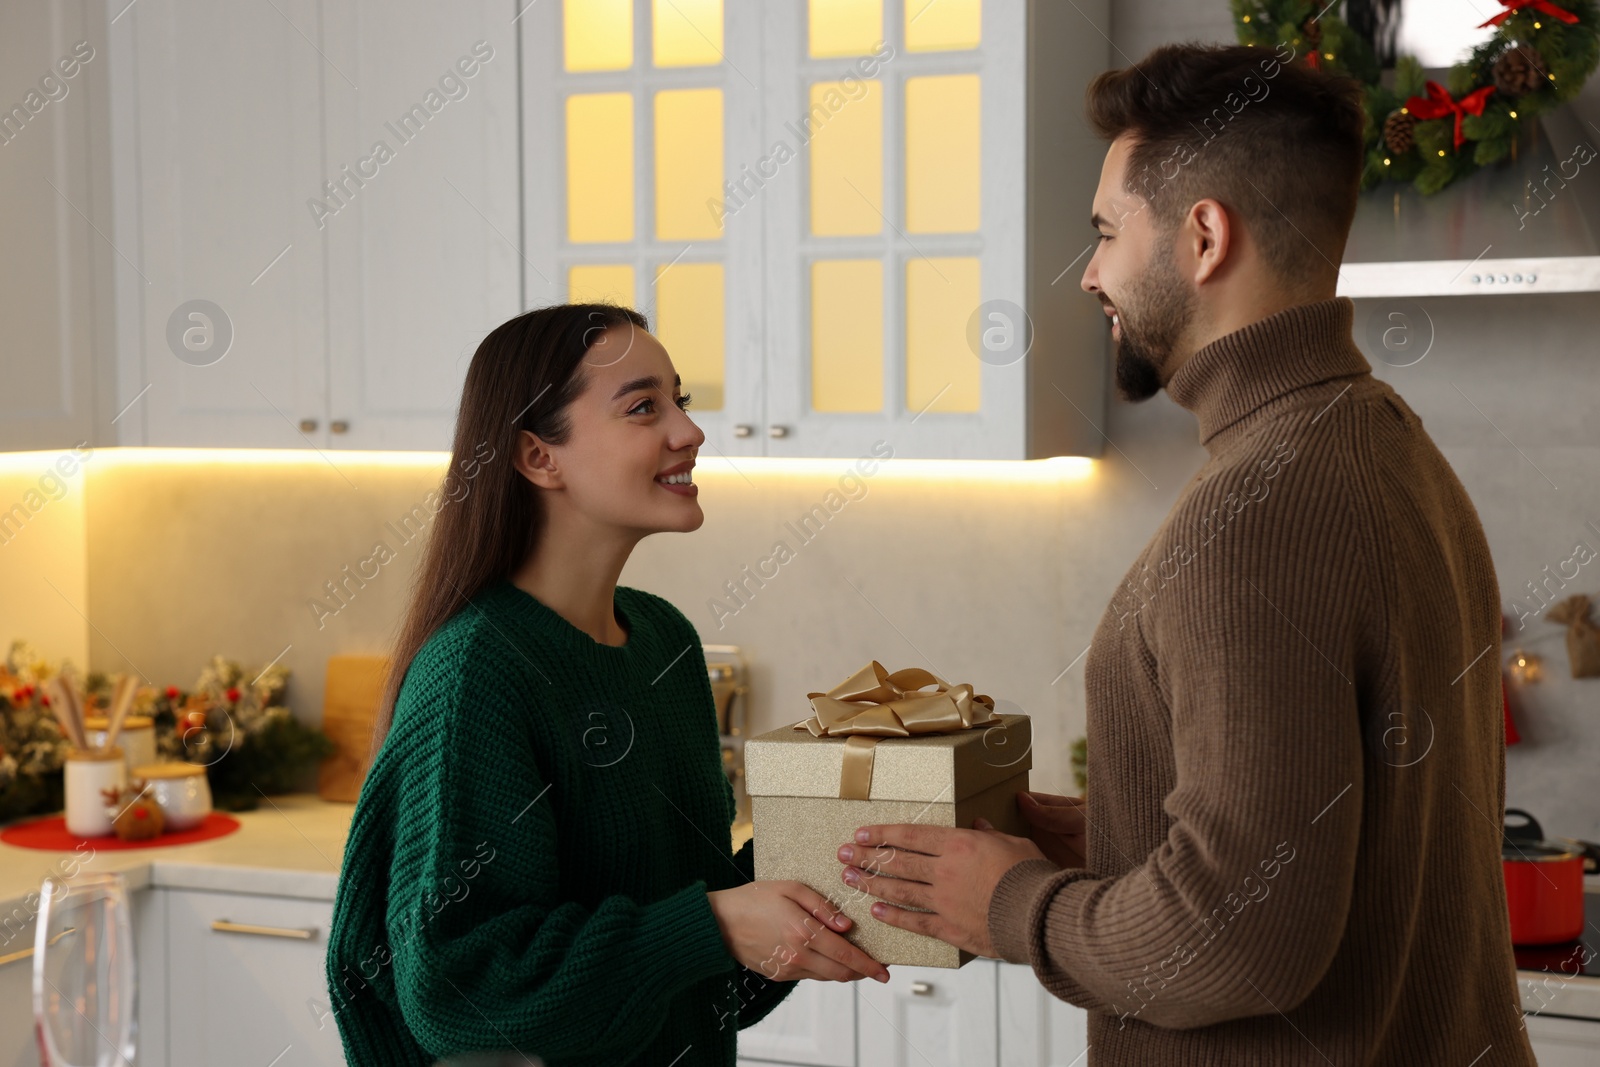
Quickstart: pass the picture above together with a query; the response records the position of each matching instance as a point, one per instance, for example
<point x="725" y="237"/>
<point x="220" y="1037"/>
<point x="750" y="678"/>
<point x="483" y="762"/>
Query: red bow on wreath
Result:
<point x="1438" y="105"/>
<point x="1513" y="6"/>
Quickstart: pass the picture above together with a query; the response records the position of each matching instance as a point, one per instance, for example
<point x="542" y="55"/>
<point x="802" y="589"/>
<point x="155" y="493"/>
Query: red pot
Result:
<point x="1544" y="881"/>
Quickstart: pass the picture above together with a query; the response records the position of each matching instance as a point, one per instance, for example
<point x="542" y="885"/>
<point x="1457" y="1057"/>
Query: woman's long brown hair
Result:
<point x="522" y="377"/>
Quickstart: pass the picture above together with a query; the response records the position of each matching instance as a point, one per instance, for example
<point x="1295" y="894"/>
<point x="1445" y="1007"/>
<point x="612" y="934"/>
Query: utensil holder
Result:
<point x="86" y="773"/>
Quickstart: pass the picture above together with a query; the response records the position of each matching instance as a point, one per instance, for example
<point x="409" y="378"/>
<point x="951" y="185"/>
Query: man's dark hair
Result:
<point x="1272" y="140"/>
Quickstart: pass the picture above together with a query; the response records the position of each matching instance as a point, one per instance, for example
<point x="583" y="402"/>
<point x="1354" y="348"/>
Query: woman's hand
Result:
<point x="787" y="930"/>
<point x="1059" y="826"/>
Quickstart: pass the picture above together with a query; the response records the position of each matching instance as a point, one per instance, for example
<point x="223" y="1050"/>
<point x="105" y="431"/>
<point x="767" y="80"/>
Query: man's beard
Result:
<point x="1161" y="306"/>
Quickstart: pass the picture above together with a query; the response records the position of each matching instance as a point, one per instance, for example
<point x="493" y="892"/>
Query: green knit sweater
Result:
<point x="529" y="859"/>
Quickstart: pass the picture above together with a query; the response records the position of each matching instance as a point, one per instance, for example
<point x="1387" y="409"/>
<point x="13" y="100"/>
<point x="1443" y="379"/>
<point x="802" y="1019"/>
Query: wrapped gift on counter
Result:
<point x="882" y="748"/>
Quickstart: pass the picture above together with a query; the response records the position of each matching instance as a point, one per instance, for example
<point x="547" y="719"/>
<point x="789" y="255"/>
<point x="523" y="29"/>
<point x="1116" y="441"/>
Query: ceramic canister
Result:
<point x="86" y="773"/>
<point x="181" y="789"/>
<point x="137" y="738"/>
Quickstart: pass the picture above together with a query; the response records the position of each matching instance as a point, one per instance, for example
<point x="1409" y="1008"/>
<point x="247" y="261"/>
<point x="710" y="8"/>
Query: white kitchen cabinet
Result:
<point x="897" y="206"/>
<point x="620" y="146"/>
<point x="223" y="153"/>
<point x="18" y="1047"/>
<point x="930" y="1017"/>
<point x="1561" y="1042"/>
<point x="1037" y="1029"/>
<point x="342" y="193"/>
<point x="423" y="252"/>
<point x="245" y="981"/>
<point x="53" y="72"/>
<point x="815" y="1025"/>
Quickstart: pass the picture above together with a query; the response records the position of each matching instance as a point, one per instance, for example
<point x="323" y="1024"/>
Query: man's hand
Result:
<point x="1059" y="826"/>
<point x="948" y="871"/>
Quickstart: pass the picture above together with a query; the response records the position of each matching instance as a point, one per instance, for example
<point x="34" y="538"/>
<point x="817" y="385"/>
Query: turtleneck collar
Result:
<point x="1290" y="349"/>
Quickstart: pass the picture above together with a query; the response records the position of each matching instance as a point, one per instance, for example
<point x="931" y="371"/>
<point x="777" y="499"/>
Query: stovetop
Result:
<point x="1581" y="957"/>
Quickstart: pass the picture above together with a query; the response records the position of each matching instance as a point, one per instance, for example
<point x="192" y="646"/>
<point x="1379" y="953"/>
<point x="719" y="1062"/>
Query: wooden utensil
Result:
<point x="121" y="700"/>
<point x="350" y="696"/>
<point x="63" y="705"/>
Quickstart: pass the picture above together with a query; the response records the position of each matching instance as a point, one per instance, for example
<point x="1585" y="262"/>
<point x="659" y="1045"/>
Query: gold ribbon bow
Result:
<point x="872" y="704"/>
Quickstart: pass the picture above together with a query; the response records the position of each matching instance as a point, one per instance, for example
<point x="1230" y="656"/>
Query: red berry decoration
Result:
<point x="232" y="694"/>
<point x="172" y="692"/>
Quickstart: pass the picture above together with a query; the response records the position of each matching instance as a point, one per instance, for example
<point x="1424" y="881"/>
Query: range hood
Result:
<point x="1529" y="225"/>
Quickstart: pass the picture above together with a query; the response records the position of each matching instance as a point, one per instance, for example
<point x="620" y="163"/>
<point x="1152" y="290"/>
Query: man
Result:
<point x="1294" y="724"/>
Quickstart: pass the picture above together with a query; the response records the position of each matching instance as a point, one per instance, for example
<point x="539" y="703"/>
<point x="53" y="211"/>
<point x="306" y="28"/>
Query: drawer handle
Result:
<point x="299" y="933"/>
<point x="14" y="957"/>
<point x="922" y="989"/>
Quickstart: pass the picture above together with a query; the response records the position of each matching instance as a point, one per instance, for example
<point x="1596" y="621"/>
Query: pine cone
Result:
<point x="1313" y="31"/>
<point x="1520" y="69"/>
<point x="1398" y="131"/>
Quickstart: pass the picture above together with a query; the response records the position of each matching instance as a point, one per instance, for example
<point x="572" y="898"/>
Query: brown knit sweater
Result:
<point x="1296" y="746"/>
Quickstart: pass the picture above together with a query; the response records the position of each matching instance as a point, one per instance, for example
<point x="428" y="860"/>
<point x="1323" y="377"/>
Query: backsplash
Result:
<point x="994" y="574"/>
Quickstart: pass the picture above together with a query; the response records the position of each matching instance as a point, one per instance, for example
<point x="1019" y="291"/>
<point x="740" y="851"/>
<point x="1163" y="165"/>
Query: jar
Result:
<point x="85" y="773"/>
<point x="137" y="738"/>
<point x="181" y="789"/>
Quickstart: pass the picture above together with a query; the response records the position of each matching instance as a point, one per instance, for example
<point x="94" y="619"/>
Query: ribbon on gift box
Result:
<point x="873" y="704"/>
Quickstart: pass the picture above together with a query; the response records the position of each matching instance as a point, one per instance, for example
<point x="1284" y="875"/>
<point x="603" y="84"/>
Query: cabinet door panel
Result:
<point x="46" y="276"/>
<point x="930" y="1017"/>
<point x="422" y="227"/>
<point x="18" y="1046"/>
<point x="644" y="166"/>
<point x="248" y="997"/>
<point x="816" y="1024"/>
<point x="1564" y="1042"/>
<point x="1037" y="1029"/>
<point x="885" y="173"/>
<point x="228" y="154"/>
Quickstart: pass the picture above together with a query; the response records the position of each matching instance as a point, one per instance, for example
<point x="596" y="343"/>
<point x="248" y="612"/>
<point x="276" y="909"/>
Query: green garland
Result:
<point x="1400" y="147"/>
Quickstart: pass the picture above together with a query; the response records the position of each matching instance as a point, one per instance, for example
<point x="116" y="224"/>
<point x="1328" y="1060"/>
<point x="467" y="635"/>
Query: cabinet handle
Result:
<point x="308" y="425"/>
<point x="743" y="429"/>
<point x="777" y="431"/>
<point x="299" y="933"/>
<point x="14" y="957"/>
<point x="339" y="426"/>
<point x="922" y="989"/>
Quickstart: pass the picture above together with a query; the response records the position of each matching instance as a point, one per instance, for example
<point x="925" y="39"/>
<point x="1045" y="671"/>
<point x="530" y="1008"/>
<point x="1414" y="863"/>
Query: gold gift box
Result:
<point x="946" y="779"/>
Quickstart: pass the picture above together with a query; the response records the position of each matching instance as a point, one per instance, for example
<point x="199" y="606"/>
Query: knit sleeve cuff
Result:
<point x="1012" y="904"/>
<point x="686" y="941"/>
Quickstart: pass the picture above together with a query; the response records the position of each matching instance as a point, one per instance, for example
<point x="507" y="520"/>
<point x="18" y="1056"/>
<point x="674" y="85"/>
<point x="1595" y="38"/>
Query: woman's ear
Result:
<point x="535" y="462"/>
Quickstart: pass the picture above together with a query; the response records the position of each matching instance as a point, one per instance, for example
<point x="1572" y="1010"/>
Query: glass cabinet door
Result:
<point x="900" y="215"/>
<point x="637" y="112"/>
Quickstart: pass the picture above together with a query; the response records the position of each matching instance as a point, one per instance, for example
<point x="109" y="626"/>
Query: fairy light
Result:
<point x="1386" y="162"/>
<point x="1441" y="151"/>
<point x="1513" y="114"/>
<point x="1526" y="667"/>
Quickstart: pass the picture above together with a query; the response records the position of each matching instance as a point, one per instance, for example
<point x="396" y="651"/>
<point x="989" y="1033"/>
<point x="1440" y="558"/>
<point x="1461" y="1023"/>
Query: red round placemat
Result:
<point x="51" y="835"/>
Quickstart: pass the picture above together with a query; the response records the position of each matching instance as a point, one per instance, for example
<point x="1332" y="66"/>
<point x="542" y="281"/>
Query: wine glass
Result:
<point x="83" y="974"/>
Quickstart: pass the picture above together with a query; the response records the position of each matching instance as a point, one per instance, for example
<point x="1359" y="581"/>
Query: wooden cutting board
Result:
<point x="350" y="697"/>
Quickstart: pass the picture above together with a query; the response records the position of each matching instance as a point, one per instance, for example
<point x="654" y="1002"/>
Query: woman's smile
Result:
<point x="679" y="479"/>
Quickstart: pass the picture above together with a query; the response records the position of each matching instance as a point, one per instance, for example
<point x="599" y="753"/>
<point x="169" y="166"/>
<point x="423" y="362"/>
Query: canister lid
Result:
<point x="129" y="722"/>
<point x="95" y="755"/>
<point x="169" y="769"/>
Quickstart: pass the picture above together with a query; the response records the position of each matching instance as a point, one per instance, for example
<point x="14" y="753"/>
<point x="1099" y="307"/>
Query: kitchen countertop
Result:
<point x="292" y="845"/>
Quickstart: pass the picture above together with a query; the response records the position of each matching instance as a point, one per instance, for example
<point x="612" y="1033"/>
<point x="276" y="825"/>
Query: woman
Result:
<point x="539" y="858"/>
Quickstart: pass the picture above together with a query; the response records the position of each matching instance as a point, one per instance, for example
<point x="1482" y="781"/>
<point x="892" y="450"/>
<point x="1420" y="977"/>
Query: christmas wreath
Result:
<point x="1419" y="131"/>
